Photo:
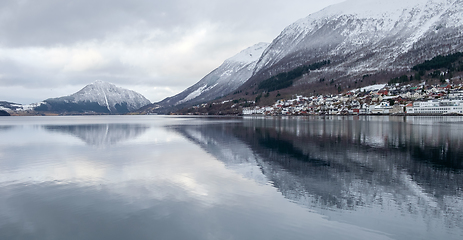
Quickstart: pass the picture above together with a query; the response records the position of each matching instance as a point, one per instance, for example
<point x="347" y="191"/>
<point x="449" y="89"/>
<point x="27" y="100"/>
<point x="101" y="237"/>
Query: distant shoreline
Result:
<point x="240" y="115"/>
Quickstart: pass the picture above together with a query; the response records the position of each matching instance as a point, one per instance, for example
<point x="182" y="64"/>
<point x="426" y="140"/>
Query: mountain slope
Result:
<point x="220" y="82"/>
<point x="4" y="113"/>
<point x="9" y="106"/>
<point x="98" y="97"/>
<point x="364" y="37"/>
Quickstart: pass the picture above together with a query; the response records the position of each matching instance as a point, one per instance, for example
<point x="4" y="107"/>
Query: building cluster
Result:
<point x="376" y="99"/>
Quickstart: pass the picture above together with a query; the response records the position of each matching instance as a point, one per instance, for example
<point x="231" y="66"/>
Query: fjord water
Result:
<point x="160" y="177"/>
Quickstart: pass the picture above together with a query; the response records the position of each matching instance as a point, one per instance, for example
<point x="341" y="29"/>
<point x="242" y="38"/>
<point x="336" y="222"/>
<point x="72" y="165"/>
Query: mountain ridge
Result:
<point x="223" y="80"/>
<point x="365" y="36"/>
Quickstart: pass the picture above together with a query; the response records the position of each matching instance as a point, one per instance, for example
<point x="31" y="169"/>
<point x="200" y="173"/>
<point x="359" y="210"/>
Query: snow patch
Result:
<point x="30" y="107"/>
<point x="196" y="93"/>
<point x="375" y="87"/>
<point x="192" y="95"/>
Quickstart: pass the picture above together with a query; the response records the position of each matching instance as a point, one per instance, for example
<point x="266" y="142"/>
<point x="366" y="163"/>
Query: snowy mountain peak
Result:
<point x="102" y="85"/>
<point x="97" y="88"/>
<point x="100" y="82"/>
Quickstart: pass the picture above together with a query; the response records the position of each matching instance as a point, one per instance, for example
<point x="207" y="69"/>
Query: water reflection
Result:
<point x="159" y="186"/>
<point x="251" y="178"/>
<point x="389" y="166"/>
<point x="101" y="134"/>
<point x="5" y="128"/>
<point x="234" y="153"/>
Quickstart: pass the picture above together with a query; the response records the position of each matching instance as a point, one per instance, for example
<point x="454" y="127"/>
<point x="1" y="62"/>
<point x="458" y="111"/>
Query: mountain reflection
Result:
<point x="349" y="163"/>
<point x="101" y="134"/>
<point x="5" y="128"/>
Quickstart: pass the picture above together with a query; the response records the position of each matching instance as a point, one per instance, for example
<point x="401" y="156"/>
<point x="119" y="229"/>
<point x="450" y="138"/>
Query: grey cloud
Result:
<point x="48" y="22"/>
<point x="115" y="72"/>
<point x="16" y="74"/>
<point x="52" y="22"/>
<point x="122" y="30"/>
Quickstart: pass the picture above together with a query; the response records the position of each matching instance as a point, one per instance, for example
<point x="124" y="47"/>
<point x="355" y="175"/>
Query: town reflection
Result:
<point x="412" y="166"/>
<point x="101" y="134"/>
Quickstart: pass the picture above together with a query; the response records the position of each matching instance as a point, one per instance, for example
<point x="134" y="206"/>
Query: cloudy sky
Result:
<point x="52" y="48"/>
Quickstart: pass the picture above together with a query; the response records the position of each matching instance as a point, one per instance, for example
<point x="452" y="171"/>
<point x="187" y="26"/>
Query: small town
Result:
<point x="380" y="99"/>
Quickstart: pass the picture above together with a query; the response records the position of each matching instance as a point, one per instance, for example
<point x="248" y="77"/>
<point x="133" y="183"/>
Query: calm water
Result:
<point x="155" y="177"/>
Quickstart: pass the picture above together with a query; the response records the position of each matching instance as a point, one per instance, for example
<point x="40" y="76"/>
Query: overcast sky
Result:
<point x="53" y="48"/>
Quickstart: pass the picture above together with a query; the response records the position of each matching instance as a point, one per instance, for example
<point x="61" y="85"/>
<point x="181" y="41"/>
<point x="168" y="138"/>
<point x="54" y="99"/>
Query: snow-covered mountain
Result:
<point x="221" y="81"/>
<point x="361" y="38"/>
<point x="367" y="36"/>
<point x="98" y="97"/>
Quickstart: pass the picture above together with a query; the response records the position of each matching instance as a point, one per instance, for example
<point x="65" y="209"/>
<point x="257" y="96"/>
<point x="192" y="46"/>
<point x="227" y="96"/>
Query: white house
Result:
<point x="436" y="107"/>
<point x="383" y="108"/>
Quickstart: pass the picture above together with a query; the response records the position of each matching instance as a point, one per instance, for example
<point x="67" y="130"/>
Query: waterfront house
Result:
<point x="437" y="107"/>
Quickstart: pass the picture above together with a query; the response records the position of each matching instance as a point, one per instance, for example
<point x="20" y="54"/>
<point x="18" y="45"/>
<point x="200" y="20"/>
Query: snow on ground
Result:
<point x="196" y="93"/>
<point x="375" y="87"/>
<point x="193" y="94"/>
<point x="31" y="106"/>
